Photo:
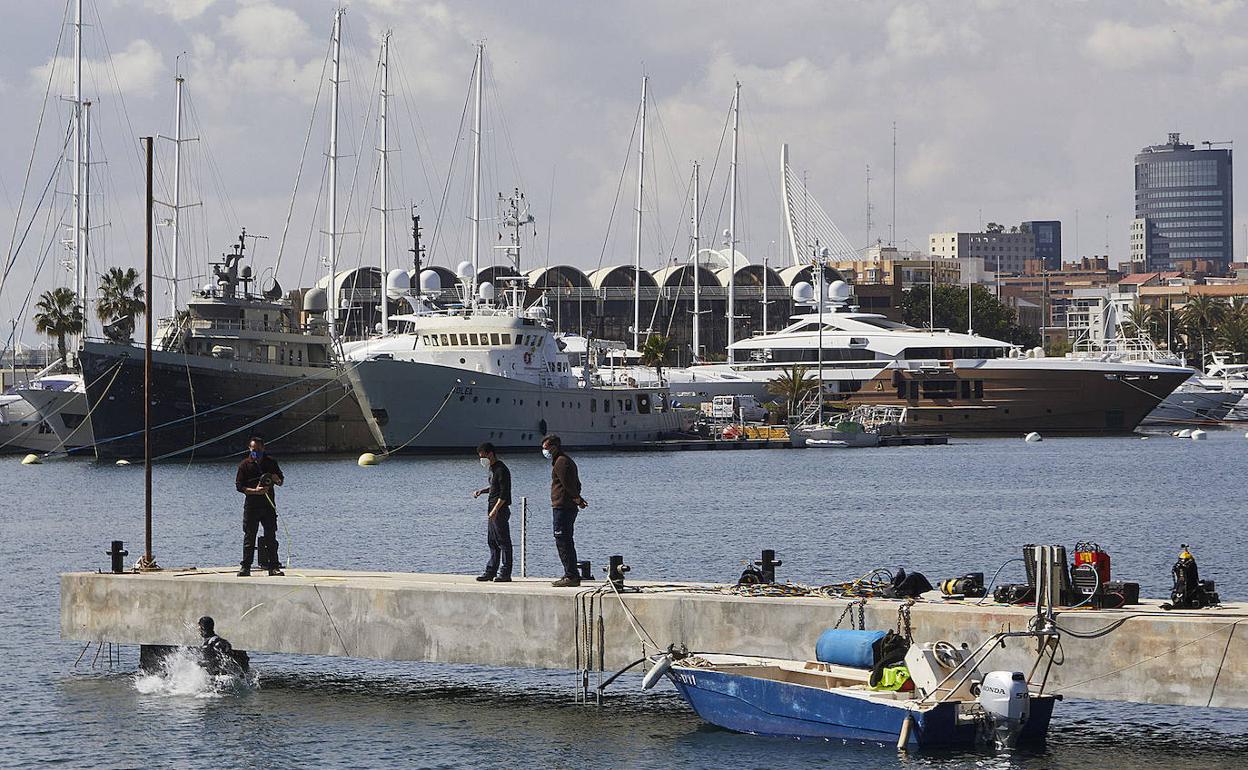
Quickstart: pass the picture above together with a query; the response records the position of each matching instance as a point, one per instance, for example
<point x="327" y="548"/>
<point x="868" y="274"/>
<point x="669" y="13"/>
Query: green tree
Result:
<point x="793" y="385"/>
<point x="1232" y="332"/>
<point x="1147" y="320"/>
<point x="121" y="302"/>
<point x="991" y="317"/>
<point x="654" y="352"/>
<point x="1201" y="316"/>
<point x="57" y="314"/>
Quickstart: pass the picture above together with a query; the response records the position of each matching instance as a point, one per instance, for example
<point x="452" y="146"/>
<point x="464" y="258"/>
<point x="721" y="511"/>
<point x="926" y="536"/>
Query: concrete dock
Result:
<point x="1184" y="658"/>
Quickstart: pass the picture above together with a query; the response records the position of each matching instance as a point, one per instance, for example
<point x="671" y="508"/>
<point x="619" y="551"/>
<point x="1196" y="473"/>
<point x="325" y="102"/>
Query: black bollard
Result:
<point x="615" y="570"/>
<point x="587" y="569"/>
<point x="767" y="565"/>
<point x="118" y="552"/>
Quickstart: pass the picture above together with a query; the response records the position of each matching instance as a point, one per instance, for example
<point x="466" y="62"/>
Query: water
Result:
<point x="831" y="515"/>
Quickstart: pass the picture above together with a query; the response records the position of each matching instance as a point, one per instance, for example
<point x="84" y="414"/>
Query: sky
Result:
<point x="1003" y="112"/>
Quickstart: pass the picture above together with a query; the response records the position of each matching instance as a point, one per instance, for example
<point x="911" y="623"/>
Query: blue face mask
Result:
<point x="256" y="454"/>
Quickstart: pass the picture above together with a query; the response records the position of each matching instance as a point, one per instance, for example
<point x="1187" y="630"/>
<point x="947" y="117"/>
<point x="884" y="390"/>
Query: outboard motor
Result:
<point x="1006" y="699"/>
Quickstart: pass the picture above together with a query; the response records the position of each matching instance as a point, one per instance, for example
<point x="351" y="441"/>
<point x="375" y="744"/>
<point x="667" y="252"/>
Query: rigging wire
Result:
<point x="619" y="186"/>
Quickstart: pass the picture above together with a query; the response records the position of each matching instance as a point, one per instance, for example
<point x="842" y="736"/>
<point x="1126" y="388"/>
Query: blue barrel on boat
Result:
<point x="843" y="647"/>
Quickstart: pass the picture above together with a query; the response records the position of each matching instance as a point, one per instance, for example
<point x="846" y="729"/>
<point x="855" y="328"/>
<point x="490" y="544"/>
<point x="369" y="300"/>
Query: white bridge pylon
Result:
<point x="805" y="221"/>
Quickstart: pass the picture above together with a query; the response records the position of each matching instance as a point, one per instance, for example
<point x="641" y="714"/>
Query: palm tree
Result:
<point x="121" y="301"/>
<point x="1147" y="320"/>
<point x="654" y="352"/>
<point x="1232" y="332"/>
<point x="58" y="314"/>
<point x="793" y="385"/>
<point x="1201" y="315"/>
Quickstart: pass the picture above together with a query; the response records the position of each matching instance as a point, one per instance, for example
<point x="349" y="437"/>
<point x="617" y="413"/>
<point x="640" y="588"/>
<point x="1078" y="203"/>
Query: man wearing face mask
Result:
<point x="565" y="501"/>
<point x="498" y="517"/>
<point x="257" y="479"/>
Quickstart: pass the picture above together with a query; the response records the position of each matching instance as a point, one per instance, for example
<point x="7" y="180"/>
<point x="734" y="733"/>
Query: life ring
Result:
<point x="528" y="357"/>
<point x="731" y="433"/>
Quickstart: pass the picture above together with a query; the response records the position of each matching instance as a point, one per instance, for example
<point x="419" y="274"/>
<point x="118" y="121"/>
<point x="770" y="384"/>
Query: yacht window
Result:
<point x="628" y="405"/>
<point x="965" y="387"/>
<point x="979" y="388"/>
<point x="593" y="406"/>
<point x="506" y="339"/>
<point x="882" y="323"/>
<point x="940" y="388"/>
<point x="494" y="338"/>
<point x="473" y="340"/>
<point x="606" y="405"/>
<point x="443" y="339"/>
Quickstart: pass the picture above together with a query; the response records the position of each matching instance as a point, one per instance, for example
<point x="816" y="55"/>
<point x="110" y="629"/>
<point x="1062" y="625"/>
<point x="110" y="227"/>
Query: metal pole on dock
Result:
<point x="524" y="537"/>
<point x="148" y="562"/>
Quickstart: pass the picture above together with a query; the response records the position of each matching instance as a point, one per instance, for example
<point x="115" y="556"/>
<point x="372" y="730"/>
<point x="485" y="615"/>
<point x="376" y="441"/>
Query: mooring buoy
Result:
<point x="32" y="460"/>
<point x="1033" y="437"/>
<point x="367" y="459"/>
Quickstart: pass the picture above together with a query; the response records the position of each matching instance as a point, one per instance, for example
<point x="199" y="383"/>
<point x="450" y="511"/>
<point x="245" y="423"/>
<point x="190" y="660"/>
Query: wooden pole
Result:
<point x="148" y="562"/>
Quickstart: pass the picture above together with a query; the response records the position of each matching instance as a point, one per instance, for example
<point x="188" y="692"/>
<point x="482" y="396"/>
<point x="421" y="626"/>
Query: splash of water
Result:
<point x="181" y="675"/>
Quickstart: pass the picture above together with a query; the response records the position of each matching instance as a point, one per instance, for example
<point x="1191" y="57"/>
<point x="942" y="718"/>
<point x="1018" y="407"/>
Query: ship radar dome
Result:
<point x="464" y="269"/>
<point x="840" y="291"/>
<point x="398" y="283"/>
<point x="315" y="301"/>
<point x="430" y="281"/>
<point x="803" y="293"/>
<point x="486" y="291"/>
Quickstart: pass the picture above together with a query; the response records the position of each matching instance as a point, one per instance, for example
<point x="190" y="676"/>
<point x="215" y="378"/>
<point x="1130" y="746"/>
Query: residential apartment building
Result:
<point x="1001" y="251"/>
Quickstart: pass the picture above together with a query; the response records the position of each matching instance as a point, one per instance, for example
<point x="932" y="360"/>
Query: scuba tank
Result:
<point x="1189" y="592"/>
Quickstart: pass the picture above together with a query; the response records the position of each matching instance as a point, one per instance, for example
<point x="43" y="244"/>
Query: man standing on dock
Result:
<point x="257" y="478"/>
<point x="498" y="518"/>
<point x="565" y="500"/>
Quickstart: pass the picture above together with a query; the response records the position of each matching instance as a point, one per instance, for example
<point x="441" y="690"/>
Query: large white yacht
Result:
<point x="493" y="371"/>
<point x="945" y="381"/>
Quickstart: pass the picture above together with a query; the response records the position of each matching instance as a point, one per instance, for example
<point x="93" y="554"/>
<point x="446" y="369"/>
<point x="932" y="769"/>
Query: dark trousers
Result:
<point x="498" y="537"/>
<point x="252" y="521"/>
<point x="565" y="523"/>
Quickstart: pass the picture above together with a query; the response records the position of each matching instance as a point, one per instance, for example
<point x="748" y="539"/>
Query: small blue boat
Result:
<point x="951" y="705"/>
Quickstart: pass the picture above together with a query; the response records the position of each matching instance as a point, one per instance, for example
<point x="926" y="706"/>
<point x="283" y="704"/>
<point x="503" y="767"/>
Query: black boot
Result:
<point x="245" y="569"/>
<point x="268" y="556"/>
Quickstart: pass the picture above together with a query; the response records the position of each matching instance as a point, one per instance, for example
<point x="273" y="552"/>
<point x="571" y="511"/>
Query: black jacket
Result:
<point x="249" y="472"/>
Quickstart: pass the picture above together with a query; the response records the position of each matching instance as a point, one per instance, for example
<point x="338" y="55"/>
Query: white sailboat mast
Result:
<point x="333" y="174"/>
<point x="80" y="264"/>
<point x="177" y="189"/>
<point x="476" y="173"/>
<point x="732" y="223"/>
<point x="385" y="185"/>
<point x="697" y="280"/>
<point x="641" y="185"/>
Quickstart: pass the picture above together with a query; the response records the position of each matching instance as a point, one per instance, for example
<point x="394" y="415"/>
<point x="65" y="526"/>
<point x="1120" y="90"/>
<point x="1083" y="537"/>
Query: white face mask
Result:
<point x="485" y="462"/>
<point x="549" y="455"/>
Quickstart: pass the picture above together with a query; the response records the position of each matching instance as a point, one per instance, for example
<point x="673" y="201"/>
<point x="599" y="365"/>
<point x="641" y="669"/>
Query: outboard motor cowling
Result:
<point x="1006" y="699"/>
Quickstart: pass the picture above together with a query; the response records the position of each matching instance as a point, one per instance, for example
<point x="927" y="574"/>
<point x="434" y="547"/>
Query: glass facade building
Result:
<point x="1183" y="196"/>
<point x="1048" y="242"/>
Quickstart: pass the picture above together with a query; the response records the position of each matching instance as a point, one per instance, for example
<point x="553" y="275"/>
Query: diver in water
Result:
<point x="217" y="655"/>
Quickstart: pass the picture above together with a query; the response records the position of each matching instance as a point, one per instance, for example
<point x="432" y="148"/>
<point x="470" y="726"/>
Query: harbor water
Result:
<point x="831" y="515"/>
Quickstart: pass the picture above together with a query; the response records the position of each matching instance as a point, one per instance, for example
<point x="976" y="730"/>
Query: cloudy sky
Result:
<point x="1004" y="111"/>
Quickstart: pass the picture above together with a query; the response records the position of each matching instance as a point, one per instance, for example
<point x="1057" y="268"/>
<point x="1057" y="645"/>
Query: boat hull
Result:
<point x="207" y="407"/>
<point x="993" y="397"/>
<point x="1193" y="407"/>
<point x="781" y="709"/>
<point x="417" y="406"/>
<point x="67" y="413"/>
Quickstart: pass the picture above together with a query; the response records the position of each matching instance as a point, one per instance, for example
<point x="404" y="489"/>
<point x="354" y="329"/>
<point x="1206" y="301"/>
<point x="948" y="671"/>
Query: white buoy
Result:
<point x="32" y="460"/>
<point x="1199" y="435"/>
<point x="368" y="458"/>
<point x="1033" y="437"/>
<point x="1185" y="433"/>
<point x="122" y="462"/>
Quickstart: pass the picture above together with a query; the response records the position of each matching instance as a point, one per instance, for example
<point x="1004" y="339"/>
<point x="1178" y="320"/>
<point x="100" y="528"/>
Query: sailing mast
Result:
<point x="641" y="184"/>
<point x="333" y="174"/>
<point x="385" y="188"/>
<point x="177" y="186"/>
<point x="476" y="173"/>
<point x="697" y="285"/>
<point x="732" y="224"/>
<point x="80" y="266"/>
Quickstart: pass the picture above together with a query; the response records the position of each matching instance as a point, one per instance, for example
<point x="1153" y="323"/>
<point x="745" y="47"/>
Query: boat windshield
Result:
<point x="883" y="323"/>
